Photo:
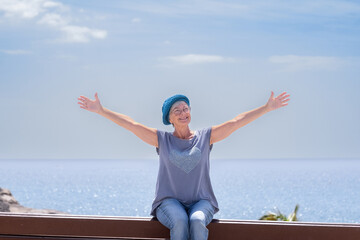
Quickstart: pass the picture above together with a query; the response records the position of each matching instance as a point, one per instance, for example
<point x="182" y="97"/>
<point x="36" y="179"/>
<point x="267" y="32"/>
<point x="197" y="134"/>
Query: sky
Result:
<point x="226" y="56"/>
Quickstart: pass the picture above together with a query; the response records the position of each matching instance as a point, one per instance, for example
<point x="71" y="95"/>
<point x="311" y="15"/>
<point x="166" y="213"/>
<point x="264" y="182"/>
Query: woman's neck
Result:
<point x="183" y="133"/>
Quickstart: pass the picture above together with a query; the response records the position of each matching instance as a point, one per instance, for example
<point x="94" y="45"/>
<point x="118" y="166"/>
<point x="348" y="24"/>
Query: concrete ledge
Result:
<point x="47" y="226"/>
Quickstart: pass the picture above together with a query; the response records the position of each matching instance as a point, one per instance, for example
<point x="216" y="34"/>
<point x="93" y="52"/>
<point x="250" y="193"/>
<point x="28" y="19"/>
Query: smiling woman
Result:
<point x="176" y="113"/>
<point x="184" y="199"/>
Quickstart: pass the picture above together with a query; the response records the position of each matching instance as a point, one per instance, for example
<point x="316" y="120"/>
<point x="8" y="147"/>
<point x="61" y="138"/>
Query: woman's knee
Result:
<point x="202" y="213"/>
<point x="198" y="218"/>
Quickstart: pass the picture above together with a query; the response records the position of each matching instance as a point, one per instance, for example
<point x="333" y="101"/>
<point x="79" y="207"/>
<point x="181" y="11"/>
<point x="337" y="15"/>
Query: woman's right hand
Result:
<point x="90" y="105"/>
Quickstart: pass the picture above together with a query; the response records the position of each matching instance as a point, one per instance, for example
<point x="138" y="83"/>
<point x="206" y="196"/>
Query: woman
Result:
<point x="184" y="199"/>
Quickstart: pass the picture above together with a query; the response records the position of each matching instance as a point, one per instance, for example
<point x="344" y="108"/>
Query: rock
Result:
<point x="9" y="204"/>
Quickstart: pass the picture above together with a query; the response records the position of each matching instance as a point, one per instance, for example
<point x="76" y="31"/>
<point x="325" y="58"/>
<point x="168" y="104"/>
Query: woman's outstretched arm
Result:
<point x="147" y="134"/>
<point x="224" y="130"/>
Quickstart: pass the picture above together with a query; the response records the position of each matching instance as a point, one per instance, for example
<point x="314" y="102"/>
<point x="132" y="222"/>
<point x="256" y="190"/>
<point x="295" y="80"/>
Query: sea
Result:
<point x="326" y="190"/>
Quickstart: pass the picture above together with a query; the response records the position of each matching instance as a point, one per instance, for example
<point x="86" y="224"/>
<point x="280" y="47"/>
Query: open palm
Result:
<point x="90" y="105"/>
<point x="277" y="102"/>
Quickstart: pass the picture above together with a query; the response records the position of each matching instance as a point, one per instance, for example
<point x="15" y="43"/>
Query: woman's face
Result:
<point x="180" y="114"/>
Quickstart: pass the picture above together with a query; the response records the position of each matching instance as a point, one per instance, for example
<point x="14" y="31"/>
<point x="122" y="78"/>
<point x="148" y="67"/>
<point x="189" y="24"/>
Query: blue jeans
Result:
<point x="186" y="221"/>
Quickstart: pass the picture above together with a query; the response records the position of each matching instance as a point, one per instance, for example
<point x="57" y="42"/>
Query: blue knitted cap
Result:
<point x="168" y="104"/>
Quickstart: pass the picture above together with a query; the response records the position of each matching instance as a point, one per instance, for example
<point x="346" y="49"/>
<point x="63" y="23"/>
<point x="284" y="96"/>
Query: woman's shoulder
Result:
<point x="162" y="132"/>
<point x="205" y="131"/>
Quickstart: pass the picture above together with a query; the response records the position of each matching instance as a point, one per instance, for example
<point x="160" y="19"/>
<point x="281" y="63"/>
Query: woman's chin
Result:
<point x="182" y="123"/>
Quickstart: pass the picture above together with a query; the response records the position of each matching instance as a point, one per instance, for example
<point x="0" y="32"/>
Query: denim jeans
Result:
<point x="186" y="221"/>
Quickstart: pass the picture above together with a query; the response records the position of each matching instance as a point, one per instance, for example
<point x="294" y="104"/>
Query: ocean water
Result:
<point x="327" y="190"/>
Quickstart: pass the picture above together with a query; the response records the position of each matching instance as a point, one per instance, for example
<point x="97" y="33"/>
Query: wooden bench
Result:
<point x="60" y="227"/>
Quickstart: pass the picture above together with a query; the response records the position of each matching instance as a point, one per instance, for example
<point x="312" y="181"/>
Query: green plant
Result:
<point x="271" y="216"/>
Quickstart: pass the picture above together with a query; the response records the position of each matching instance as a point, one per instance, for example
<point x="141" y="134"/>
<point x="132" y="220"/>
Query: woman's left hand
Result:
<point x="277" y="102"/>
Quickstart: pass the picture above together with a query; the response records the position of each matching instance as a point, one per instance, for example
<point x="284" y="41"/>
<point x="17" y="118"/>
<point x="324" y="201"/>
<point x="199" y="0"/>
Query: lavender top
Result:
<point x="184" y="169"/>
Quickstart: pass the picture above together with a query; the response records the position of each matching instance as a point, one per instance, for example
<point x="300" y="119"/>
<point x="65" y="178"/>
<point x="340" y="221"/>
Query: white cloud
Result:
<point x="82" y="34"/>
<point x="136" y="20"/>
<point x="50" y="4"/>
<point x="16" y="52"/>
<point x="53" y="19"/>
<point x="25" y="8"/>
<point x="300" y="63"/>
<point x="51" y="14"/>
<point x="196" y="59"/>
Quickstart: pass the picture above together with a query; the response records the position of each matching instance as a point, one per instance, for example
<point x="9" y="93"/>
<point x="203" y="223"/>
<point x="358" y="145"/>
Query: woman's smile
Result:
<point x="184" y="118"/>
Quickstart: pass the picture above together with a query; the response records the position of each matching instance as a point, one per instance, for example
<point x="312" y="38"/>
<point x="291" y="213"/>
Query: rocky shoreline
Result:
<point x="9" y="204"/>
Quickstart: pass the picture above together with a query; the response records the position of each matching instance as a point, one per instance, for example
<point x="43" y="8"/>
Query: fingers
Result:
<point x="284" y="97"/>
<point x="286" y="100"/>
<point x="96" y="97"/>
<point x="83" y="98"/>
<point x="84" y="101"/>
<point x="281" y="95"/>
<point x="82" y="104"/>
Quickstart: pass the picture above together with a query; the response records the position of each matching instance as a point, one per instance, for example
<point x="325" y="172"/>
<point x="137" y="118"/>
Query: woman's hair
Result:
<point x="176" y="104"/>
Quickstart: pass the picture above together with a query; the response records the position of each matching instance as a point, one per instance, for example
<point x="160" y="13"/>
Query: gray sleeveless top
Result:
<point x="184" y="169"/>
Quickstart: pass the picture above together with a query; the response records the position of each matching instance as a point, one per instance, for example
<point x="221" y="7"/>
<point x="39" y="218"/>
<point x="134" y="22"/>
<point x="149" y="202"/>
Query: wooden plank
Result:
<point x="36" y="226"/>
<point x="255" y="230"/>
<point x="7" y="237"/>
<point x="85" y="226"/>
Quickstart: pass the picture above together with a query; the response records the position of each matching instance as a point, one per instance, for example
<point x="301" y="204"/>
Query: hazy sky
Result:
<point x="226" y="56"/>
